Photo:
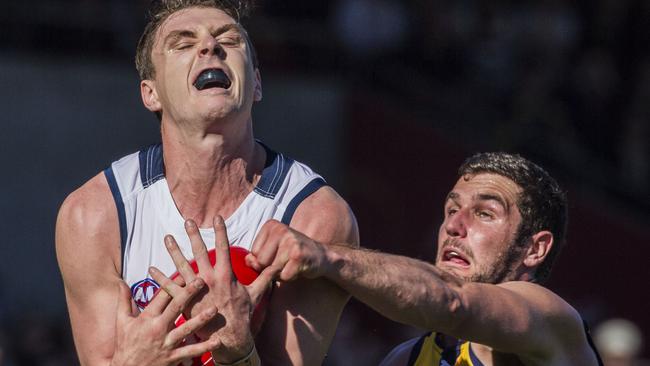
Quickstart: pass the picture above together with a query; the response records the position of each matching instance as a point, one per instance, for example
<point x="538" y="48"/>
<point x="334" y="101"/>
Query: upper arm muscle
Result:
<point x="517" y="317"/>
<point x="88" y="252"/>
<point x="307" y="311"/>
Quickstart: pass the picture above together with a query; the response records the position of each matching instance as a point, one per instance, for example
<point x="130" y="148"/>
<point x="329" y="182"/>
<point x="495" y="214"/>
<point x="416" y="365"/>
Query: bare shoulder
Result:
<point x="560" y="321"/>
<point x="88" y="252"/>
<point x="87" y="228"/>
<point x="400" y="355"/>
<point x="546" y="301"/>
<point x="326" y="217"/>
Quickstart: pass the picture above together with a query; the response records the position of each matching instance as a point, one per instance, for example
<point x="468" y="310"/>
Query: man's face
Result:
<point x="191" y="42"/>
<point x="476" y="241"/>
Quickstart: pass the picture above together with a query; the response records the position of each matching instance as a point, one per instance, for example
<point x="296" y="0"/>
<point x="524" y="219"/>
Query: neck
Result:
<point x="210" y="172"/>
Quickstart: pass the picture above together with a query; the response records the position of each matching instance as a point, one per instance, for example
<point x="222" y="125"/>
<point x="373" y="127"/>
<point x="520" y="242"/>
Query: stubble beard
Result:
<point x="502" y="269"/>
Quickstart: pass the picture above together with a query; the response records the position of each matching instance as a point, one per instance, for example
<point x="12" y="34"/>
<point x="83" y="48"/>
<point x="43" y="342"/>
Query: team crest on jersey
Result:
<point x="143" y="291"/>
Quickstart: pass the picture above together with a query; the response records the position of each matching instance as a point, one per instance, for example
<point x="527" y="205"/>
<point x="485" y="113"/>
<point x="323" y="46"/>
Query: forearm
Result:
<point x="403" y="289"/>
<point x="301" y="322"/>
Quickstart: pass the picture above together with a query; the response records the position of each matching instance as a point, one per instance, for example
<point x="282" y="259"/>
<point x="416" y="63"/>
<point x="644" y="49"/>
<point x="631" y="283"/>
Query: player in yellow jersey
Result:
<point x="505" y="222"/>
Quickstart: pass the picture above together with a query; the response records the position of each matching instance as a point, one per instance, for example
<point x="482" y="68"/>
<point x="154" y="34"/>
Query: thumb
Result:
<point x="251" y="261"/>
<point x="262" y="283"/>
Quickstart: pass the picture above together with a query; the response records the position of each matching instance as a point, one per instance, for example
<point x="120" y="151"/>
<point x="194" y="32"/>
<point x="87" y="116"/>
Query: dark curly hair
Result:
<point x="160" y="10"/>
<point x="542" y="204"/>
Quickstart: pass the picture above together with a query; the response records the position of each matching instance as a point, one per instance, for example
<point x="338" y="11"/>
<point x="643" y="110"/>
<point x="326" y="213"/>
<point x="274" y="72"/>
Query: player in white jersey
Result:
<point x="147" y="212"/>
<point x="200" y="77"/>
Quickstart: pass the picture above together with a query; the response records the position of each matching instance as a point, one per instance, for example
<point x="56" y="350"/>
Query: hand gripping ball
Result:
<point x="245" y="275"/>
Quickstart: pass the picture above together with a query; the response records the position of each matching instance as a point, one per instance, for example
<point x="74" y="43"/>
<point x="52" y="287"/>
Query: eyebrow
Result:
<point x="227" y="27"/>
<point x="175" y="35"/>
<point x="493" y="197"/>
<point x="453" y="196"/>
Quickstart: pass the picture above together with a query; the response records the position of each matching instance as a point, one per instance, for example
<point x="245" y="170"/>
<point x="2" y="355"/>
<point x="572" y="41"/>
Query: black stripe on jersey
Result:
<point x="152" y="168"/>
<point x="591" y="343"/>
<point x="121" y="213"/>
<point x="415" y="351"/>
<point x="273" y="174"/>
<point x="309" y="189"/>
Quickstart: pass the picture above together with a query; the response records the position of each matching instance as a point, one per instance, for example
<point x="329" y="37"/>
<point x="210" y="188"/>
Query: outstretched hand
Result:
<point x="150" y="337"/>
<point x="234" y="301"/>
<point x="280" y="247"/>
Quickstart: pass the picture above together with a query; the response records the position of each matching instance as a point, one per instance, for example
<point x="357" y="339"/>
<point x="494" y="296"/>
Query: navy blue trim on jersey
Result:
<point x="449" y="355"/>
<point x="472" y="356"/>
<point x="121" y="213"/>
<point x="273" y="174"/>
<point x="152" y="168"/>
<point x="591" y="342"/>
<point x="309" y="189"/>
<point x="415" y="351"/>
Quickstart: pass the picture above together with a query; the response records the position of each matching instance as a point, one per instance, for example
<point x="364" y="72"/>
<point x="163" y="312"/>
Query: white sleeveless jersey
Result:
<point x="147" y="212"/>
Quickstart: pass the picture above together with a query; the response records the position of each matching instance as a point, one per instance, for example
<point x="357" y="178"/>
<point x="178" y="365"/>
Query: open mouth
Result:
<point x="212" y="78"/>
<point x="455" y="257"/>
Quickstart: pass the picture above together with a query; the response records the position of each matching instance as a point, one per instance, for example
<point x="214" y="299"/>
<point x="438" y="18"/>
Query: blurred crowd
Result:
<point x="567" y="83"/>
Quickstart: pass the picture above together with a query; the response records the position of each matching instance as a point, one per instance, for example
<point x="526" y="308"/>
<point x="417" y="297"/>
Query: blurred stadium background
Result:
<point x="385" y="98"/>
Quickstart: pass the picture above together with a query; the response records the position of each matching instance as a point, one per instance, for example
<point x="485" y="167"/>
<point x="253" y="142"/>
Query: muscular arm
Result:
<point x="515" y="317"/>
<point x="303" y="314"/>
<point x="107" y="329"/>
<point x="88" y="252"/>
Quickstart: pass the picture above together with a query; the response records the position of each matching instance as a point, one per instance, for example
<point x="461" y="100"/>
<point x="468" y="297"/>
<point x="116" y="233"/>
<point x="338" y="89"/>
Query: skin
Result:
<point x="481" y="221"/>
<point x="211" y="163"/>
<point x="234" y="299"/>
<point x="107" y="328"/>
<point x="512" y="322"/>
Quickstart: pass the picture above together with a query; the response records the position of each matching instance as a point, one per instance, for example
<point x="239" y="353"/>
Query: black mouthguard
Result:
<point x="212" y="78"/>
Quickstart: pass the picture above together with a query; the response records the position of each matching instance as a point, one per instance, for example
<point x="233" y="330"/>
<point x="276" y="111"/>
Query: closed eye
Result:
<point x="183" y="46"/>
<point x="231" y="41"/>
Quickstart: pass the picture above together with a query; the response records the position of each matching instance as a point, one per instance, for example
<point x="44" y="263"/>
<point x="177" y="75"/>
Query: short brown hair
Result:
<point x="542" y="203"/>
<point x="161" y="10"/>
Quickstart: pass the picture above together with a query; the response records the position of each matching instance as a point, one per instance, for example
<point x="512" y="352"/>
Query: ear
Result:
<point x="150" y="95"/>
<point x="257" y="93"/>
<point x="540" y="246"/>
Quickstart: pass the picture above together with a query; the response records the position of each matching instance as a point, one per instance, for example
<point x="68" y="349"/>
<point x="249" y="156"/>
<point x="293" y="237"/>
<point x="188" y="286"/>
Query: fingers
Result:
<point x="292" y="269"/>
<point x="198" y="247"/>
<point x="177" y="335"/>
<point x="195" y="350"/>
<point x="169" y="289"/>
<point x="252" y="262"/>
<point x="266" y="243"/>
<point x="182" y="298"/>
<point x="222" y="247"/>
<point x="181" y="263"/>
<point x="262" y="237"/>
<point x="262" y="283"/>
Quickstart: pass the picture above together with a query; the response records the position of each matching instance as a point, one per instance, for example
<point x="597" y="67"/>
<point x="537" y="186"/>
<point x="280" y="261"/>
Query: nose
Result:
<point x="456" y="224"/>
<point x="210" y="47"/>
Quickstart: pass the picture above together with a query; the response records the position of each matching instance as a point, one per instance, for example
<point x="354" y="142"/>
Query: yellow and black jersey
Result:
<point x="429" y="351"/>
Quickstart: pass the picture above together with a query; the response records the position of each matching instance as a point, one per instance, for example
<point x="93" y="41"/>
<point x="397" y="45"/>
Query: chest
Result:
<point x="152" y="215"/>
